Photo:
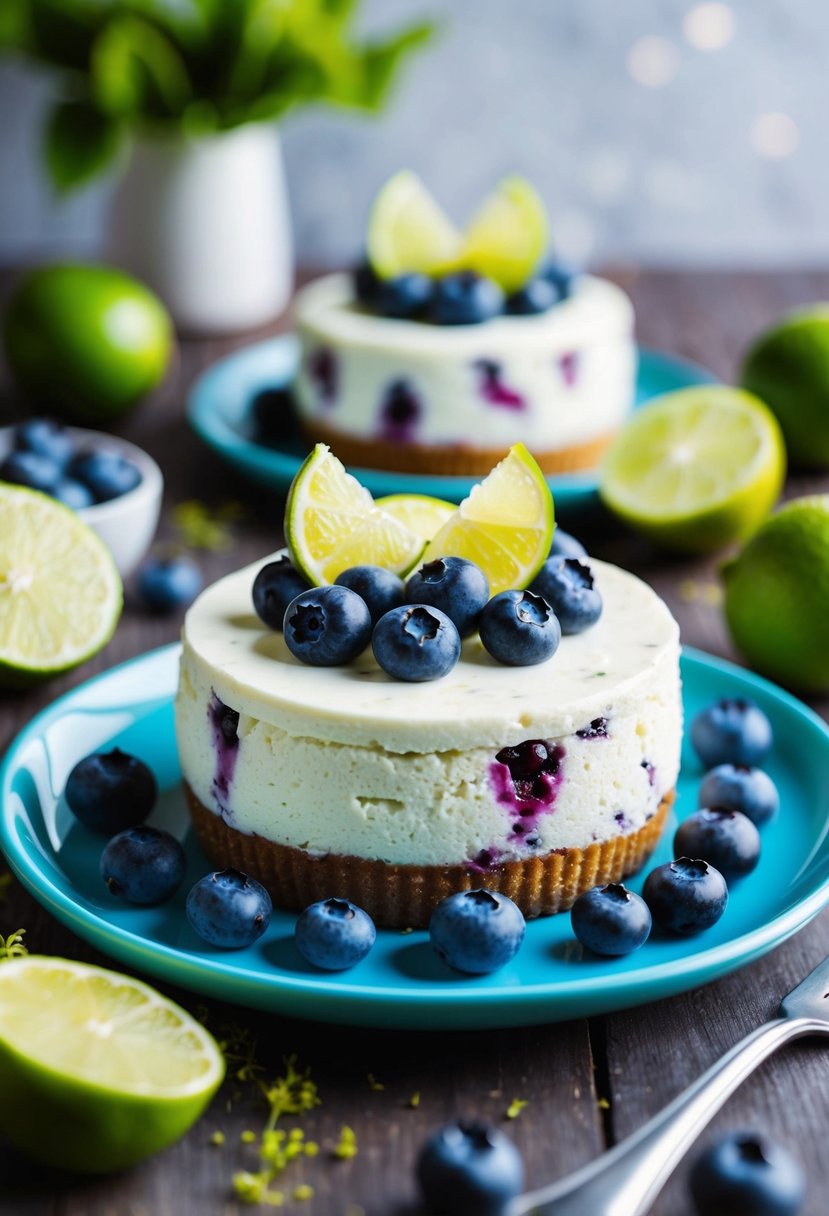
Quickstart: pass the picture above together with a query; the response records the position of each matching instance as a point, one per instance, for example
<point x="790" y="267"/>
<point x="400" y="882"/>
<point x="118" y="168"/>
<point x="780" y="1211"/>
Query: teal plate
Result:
<point x="401" y="983"/>
<point x="218" y="408"/>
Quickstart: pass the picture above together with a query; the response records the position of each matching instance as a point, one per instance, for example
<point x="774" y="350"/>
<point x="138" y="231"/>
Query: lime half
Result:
<point x="505" y="525"/>
<point x="508" y="236"/>
<point x="97" y="1070"/>
<point x="696" y="469"/>
<point x="407" y="230"/>
<point x="60" y="594"/>
<point x="420" y="513"/>
<point x="333" y="523"/>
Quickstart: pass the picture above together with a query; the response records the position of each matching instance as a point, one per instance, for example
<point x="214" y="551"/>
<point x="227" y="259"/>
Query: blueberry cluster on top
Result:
<point x="415" y="628"/>
<point x="45" y="457"/>
<point x="460" y="298"/>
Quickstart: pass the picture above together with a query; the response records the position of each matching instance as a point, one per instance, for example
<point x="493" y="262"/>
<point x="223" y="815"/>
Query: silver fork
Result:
<point x="626" y="1180"/>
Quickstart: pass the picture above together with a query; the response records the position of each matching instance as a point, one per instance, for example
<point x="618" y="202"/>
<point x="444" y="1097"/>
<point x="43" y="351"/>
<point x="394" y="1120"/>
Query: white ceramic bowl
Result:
<point x="126" y="524"/>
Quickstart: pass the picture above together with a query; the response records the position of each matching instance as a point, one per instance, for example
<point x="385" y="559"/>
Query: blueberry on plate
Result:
<point x="747" y="1174"/>
<point x="381" y="589"/>
<point x="275" y="585"/>
<point x="111" y="791"/>
<point x="143" y="865"/>
<point x="44" y="437"/>
<point x="611" y="920"/>
<point x="469" y="1169"/>
<point x="519" y="629"/>
<point x="685" y="896"/>
<point x="739" y="787"/>
<point x="31" y="470"/>
<point x="107" y="474"/>
<point x="334" y="934"/>
<point x="566" y="545"/>
<point x="405" y="298"/>
<point x="327" y="626"/>
<point x="456" y="586"/>
<point x="536" y="296"/>
<point x="73" y="494"/>
<point x="416" y="643"/>
<point x="567" y="585"/>
<point x="165" y="584"/>
<point x="726" y="839"/>
<point x="229" y="909"/>
<point x="465" y="298"/>
<point x="731" y="731"/>
<point x="476" y="931"/>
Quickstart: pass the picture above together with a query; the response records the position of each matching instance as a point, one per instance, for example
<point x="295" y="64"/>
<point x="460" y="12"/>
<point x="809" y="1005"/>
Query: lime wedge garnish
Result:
<point x="508" y="236"/>
<point x="333" y="523"/>
<point x="505" y="525"/>
<point x="696" y="469"/>
<point x="60" y="594"/>
<point x="97" y="1070"/>
<point x="420" y="513"/>
<point x="407" y="230"/>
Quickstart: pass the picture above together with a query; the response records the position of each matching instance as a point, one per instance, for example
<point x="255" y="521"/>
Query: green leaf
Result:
<point x="137" y="71"/>
<point x="80" y="142"/>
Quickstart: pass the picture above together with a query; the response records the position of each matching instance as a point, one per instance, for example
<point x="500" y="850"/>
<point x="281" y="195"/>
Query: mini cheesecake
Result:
<point x="423" y="398"/>
<point x="536" y="781"/>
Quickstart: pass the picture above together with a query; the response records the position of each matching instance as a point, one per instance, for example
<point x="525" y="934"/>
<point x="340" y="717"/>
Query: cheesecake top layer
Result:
<point x="328" y="309"/>
<point x="608" y="668"/>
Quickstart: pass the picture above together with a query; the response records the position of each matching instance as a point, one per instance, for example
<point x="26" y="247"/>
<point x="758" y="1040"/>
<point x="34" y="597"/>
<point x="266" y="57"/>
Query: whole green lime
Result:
<point x="86" y="341"/>
<point x="788" y="368"/>
<point x="777" y="593"/>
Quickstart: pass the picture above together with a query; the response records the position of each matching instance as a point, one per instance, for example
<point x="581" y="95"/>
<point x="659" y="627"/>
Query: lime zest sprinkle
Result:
<point x="217" y="1139"/>
<point x="12" y="946"/>
<point x="199" y="527"/>
<point x="6" y="881"/>
<point x="347" y="1146"/>
<point x="414" y="1101"/>
<point x="248" y="1137"/>
<point x="304" y="1191"/>
<point x="515" y="1107"/>
<point x="603" y="1104"/>
<point x="374" y="1084"/>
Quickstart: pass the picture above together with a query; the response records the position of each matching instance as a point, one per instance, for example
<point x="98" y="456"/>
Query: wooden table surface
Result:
<point x="587" y="1083"/>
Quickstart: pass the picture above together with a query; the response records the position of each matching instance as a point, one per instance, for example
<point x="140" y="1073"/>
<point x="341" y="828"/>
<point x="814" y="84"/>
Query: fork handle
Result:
<point x="626" y="1180"/>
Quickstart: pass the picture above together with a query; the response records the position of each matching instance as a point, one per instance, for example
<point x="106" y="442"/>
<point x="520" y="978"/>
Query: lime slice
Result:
<point x="505" y="525"/>
<point x="508" y="236"/>
<point x="97" y="1070"/>
<point x="332" y="523"/>
<point x="420" y="514"/>
<point x="407" y="231"/>
<point x="696" y="469"/>
<point x="60" y="594"/>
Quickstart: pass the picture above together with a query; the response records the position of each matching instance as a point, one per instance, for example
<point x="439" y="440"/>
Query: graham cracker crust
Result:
<point x="403" y="896"/>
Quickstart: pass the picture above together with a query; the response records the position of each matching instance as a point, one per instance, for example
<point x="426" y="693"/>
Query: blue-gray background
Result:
<point x="659" y="132"/>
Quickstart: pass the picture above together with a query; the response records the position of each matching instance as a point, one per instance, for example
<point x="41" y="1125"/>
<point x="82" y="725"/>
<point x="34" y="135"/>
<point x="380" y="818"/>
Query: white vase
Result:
<point x="205" y="223"/>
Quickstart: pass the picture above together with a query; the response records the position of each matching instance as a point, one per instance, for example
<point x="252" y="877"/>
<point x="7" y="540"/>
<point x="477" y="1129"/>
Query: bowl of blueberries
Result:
<point x="114" y="486"/>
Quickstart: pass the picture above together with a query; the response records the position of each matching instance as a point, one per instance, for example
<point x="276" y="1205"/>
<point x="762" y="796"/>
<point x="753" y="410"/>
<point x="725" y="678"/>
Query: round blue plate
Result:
<point x="218" y="408"/>
<point x="401" y="983"/>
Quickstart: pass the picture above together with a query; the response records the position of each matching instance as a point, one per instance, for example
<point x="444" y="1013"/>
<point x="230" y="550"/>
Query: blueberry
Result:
<point x="73" y="494"/>
<point x="685" y="896"/>
<point x="732" y="731"/>
<point x="107" y="474"/>
<point x="276" y="584"/>
<point x="44" y="437"/>
<point x="143" y="865"/>
<point x="456" y="586"/>
<point x="405" y="298"/>
<point x="110" y="791"/>
<point x="519" y="628"/>
<point x="611" y="920"/>
<point x="229" y="909"/>
<point x="271" y="411"/>
<point x="327" y="626"/>
<point x="165" y="584"/>
<point x="538" y="295"/>
<point x="469" y="1169"/>
<point x="746" y="1174"/>
<point x="561" y="276"/>
<point x="566" y="583"/>
<point x="334" y="934"/>
<point x="416" y="642"/>
<point x="566" y="545"/>
<point x="465" y="298"/>
<point x="30" y="470"/>
<point x="381" y="589"/>
<point x="725" y="839"/>
<point x="367" y="284"/>
<point x="476" y="931"/>
<point x="739" y="787"/>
